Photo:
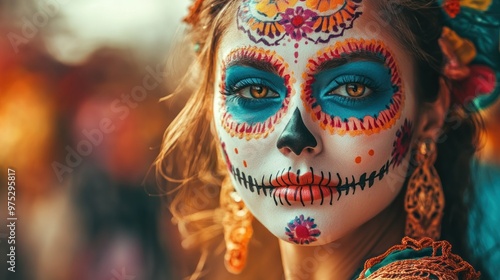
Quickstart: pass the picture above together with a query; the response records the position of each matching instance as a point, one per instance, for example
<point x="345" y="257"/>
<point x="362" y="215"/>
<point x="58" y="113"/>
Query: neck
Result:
<point x="342" y="258"/>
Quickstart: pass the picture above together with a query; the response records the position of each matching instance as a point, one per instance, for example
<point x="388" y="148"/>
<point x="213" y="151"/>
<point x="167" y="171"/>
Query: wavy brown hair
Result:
<point x="189" y="159"/>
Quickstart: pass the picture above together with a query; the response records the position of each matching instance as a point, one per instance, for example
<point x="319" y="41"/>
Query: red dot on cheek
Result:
<point x="371" y="152"/>
<point x="358" y="160"/>
<point x="301" y="231"/>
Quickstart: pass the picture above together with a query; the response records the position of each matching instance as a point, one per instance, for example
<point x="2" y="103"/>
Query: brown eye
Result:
<point x="258" y="91"/>
<point x="352" y="90"/>
<point x="355" y="89"/>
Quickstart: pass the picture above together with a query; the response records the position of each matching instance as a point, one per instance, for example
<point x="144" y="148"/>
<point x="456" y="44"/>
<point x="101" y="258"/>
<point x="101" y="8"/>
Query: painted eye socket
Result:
<point x="257" y="92"/>
<point x="356" y="90"/>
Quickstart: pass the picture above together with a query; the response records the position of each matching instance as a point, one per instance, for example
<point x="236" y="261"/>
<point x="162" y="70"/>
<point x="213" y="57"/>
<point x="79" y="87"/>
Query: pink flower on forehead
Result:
<point x="298" y="22"/>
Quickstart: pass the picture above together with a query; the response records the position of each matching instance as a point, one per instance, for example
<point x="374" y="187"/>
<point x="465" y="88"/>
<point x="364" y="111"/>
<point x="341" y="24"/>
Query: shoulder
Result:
<point x="418" y="259"/>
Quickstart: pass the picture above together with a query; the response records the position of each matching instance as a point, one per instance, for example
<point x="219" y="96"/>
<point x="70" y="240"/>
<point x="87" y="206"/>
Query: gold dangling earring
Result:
<point x="237" y="223"/>
<point x="424" y="200"/>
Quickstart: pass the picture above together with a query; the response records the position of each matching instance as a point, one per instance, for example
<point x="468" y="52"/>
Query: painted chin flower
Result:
<point x="302" y="231"/>
<point x="298" y="22"/>
<point x="401" y="145"/>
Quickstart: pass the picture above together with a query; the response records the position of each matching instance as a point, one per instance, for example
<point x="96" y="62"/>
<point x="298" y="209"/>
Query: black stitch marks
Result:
<point x="279" y="193"/>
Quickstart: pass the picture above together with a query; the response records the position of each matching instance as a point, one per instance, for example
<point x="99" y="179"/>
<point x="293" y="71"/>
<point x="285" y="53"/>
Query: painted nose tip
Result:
<point x="296" y="137"/>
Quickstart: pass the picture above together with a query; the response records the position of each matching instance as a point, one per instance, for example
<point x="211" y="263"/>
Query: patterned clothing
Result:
<point x="422" y="259"/>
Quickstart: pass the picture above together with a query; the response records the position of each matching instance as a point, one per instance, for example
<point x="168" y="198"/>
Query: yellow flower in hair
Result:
<point x="271" y="8"/>
<point x="325" y="5"/>
<point x="464" y="49"/>
<point x="480" y="5"/>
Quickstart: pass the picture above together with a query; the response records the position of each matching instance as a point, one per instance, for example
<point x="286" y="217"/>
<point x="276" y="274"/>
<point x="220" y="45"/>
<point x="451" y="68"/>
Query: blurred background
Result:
<point x="81" y="123"/>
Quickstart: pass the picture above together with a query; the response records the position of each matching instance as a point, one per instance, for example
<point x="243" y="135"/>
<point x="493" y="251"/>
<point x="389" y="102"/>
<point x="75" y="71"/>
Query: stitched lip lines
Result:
<point x="287" y="187"/>
<point x="293" y="187"/>
<point x="295" y="179"/>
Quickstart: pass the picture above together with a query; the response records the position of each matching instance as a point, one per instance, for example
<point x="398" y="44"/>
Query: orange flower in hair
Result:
<point x="194" y="13"/>
<point x="468" y="81"/>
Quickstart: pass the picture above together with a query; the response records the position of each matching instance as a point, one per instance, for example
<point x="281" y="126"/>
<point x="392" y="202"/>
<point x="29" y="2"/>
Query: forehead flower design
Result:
<point x="270" y="21"/>
<point x="298" y="22"/>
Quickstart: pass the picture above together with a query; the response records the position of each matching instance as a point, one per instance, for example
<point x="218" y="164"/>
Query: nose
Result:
<point x="296" y="137"/>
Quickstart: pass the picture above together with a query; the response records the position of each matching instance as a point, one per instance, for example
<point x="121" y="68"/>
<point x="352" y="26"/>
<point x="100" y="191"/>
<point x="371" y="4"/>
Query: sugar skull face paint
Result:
<point x="316" y="144"/>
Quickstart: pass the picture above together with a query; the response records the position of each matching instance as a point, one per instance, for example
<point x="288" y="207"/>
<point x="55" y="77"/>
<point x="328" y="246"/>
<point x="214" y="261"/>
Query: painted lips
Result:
<point x="304" y="188"/>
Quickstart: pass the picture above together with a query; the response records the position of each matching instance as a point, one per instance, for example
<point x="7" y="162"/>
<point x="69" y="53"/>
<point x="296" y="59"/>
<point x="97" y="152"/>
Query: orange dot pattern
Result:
<point x="358" y="158"/>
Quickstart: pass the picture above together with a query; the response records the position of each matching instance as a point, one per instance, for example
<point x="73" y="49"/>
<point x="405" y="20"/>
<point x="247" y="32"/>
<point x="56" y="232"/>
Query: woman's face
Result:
<point x="314" y="108"/>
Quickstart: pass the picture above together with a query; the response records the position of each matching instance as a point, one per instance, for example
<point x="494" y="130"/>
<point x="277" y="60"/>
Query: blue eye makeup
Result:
<point x="255" y="92"/>
<point x="353" y="87"/>
<point x="253" y="95"/>
<point x="370" y="80"/>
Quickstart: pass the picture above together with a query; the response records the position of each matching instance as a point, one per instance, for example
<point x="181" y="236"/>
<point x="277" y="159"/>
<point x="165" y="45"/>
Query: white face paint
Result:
<point x="313" y="116"/>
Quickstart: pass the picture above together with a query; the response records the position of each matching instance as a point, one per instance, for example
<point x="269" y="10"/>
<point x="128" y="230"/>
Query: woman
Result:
<point x="321" y="119"/>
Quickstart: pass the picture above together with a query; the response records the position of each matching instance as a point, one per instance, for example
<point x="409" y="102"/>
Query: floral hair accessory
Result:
<point x="192" y="17"/>
<point x="468" y="80"/>
<point x="459" y="52"/>
<point x="452" y="7"/>
<point x="470" y="44"/>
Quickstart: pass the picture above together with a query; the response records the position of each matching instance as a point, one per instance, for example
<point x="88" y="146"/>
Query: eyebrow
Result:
<point x="254" y="63"/>
<point x="347" y="58"/>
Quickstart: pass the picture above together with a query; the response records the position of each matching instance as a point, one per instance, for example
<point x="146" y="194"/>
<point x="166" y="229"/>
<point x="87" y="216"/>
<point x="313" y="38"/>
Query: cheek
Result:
<point x="244" y="156"/>
<point x="390" y="145"/>
<point x="236" y="154"/>
<point x="240" y="154"/>
<point x="402" y="143"/>
<point x="369" y="163"/>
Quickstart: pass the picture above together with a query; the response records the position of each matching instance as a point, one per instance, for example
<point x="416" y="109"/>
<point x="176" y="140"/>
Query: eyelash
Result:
<point x="343" y="80"/>
<point x="232" y="90"/>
